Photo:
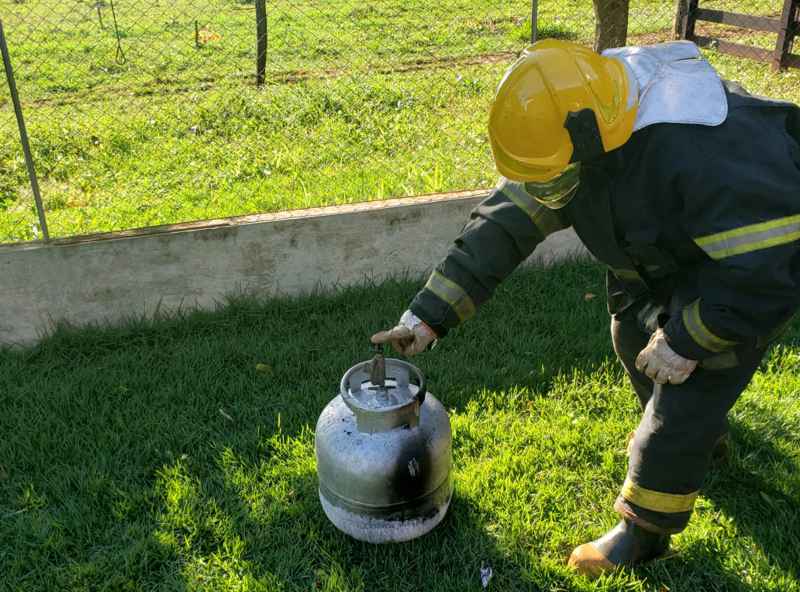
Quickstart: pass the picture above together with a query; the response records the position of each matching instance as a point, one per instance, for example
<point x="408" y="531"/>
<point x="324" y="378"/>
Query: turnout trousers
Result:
<point x="672" y="447"/>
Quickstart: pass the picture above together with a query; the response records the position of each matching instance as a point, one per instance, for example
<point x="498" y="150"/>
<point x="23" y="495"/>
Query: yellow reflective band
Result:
<point x="626" y="274"/>
<point x="545" y="220"/>
<point x="453" y="294"/>
<point x="656" y="501"/>
<point x="700" y="333"/>
<point x="753" y="237"/>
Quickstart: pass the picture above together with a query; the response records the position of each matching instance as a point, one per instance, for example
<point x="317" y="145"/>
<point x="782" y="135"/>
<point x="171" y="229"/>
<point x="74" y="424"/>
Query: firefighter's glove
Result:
<point x="661" y="363"/>
<point x="410" y="337"/>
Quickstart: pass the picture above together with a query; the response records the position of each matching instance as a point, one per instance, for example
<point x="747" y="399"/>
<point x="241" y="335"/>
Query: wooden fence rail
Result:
<point x="786" y="27"/>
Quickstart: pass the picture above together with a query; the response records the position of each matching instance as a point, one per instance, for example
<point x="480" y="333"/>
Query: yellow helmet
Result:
<point x="559" y="103"/>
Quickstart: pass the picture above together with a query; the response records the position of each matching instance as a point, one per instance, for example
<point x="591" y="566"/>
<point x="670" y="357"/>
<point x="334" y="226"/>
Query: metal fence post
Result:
<point x="23" y="133"/>
<point x="261" y="41"/>
<point x="534" y="20"/>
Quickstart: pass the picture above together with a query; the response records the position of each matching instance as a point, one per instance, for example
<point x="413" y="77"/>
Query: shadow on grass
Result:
<point x="260" y="523"/>
<point x="699" y="566"/>
<point x="753" y="474"/>
<point x="752" y="502"/>
<point x="180" y="453"/>
<point x="258" y="520"/>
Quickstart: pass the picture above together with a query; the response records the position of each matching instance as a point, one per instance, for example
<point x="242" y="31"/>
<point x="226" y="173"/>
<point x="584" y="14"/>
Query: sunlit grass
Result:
<point x="361" y="102"/>
<point x="178" y="455"/>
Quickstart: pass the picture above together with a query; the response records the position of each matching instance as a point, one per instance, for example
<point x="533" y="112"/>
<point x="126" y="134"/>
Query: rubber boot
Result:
<point x="624" y="545"/>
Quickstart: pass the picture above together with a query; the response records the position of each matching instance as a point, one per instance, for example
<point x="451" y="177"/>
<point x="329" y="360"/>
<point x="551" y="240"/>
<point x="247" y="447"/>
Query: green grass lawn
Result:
<point x="178" y="455"/>
<point x="362" y="102"/>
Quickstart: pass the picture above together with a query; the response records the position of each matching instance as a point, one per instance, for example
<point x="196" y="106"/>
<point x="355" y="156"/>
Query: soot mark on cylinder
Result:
<point x="412" y="475"/>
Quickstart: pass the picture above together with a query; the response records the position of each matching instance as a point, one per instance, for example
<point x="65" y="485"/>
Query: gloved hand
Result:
<point x="410" y="337"/>
<point x="659" y="362"/>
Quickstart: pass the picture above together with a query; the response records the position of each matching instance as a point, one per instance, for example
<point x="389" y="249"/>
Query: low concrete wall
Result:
<point x="106" y="278"/>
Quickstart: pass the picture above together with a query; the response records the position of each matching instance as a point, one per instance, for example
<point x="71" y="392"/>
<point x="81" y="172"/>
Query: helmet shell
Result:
<point x="548" y="81"/>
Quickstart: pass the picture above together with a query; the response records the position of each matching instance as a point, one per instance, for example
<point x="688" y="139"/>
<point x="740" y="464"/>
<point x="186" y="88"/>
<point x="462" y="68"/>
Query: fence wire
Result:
<point x="145" y="112"/>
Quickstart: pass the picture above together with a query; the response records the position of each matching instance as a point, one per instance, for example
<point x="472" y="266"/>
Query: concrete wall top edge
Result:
<point x="105" y="279"/>
<point x="247" y="219"/>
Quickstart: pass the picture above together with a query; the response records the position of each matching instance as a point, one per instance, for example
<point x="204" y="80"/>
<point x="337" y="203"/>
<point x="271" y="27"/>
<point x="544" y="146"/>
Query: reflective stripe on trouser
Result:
<point x="680" y="425"/>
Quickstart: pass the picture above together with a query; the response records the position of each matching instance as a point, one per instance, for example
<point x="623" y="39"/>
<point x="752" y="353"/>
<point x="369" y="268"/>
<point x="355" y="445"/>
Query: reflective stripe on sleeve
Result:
<point x="626" y="274"/>
<point x="453" y="294"/>
<point x="701" y="334"/>
<point x="753" y="237"/>
<point x="545" y="220"/>
<point x="656" y="501"/>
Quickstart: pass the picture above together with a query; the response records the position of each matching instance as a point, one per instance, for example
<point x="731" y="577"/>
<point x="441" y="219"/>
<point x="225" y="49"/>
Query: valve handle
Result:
<point x="377" y="369"/>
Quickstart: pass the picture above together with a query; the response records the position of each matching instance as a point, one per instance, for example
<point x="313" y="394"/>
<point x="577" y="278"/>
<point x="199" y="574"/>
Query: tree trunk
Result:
<point x="611" y="28"/>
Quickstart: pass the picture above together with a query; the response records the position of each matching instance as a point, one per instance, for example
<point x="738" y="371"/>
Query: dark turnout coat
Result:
<point x="710" y="214"/>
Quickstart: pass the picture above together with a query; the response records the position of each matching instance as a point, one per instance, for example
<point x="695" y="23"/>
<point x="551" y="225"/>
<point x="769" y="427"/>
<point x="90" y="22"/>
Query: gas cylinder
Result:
<point x="383" y="448"/>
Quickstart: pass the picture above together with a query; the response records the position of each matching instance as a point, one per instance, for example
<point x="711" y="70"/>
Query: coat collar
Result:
<point x="674" y="84"/>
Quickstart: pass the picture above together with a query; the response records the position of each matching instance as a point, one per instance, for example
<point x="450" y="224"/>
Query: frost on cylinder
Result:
<point x="375" y="530"/>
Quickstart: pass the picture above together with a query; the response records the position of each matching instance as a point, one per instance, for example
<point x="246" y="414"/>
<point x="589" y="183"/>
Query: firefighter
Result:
<point x="688" y="189"/>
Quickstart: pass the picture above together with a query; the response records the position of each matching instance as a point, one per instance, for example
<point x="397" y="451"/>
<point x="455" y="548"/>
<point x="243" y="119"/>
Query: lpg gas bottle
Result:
<point x="383" y="449"/>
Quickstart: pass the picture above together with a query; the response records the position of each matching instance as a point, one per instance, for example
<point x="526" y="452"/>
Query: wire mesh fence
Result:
<point x="144" y="112"/>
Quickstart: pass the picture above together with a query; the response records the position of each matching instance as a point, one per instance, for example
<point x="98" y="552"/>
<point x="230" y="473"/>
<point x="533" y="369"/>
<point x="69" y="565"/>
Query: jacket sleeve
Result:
<point x="500" y="234"/>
